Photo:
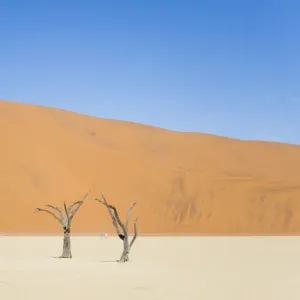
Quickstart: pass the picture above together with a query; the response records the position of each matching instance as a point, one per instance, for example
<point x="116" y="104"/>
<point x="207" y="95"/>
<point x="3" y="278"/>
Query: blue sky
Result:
<point x="224" y="67"/>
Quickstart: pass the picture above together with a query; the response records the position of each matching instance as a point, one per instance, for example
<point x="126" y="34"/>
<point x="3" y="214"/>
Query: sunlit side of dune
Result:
<point x="182" y="182"/>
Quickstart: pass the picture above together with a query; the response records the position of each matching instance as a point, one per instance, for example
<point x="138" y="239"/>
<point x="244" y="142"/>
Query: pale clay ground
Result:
<point x="161" y="268"/>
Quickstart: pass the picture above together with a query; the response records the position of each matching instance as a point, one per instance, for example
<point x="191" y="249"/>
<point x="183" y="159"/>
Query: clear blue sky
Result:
<point x="224" y="67"/>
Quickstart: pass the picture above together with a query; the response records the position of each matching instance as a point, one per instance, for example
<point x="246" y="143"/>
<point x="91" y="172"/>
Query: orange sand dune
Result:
<point x="183" y="182"/>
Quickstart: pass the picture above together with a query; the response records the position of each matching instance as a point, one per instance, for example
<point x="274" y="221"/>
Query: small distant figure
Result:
<point x="103" y="235"/>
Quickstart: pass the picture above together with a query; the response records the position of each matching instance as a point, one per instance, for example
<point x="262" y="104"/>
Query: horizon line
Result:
<point x="149" y="125"/>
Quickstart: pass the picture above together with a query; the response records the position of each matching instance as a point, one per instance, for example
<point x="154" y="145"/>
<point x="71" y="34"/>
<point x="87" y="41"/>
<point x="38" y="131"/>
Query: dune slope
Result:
<point x="183" y="182"/>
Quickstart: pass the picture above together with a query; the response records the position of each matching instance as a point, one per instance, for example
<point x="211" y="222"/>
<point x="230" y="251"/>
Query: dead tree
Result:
<point x="123" y="235"/>
<point x="65" y="220"/>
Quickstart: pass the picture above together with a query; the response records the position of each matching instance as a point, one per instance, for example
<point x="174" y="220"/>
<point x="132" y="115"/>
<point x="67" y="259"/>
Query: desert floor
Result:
<point x="233" y="268"/>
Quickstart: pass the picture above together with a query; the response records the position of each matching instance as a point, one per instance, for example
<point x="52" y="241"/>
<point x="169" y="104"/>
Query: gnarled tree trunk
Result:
<point x="67" y="244"/>
<point x="126" y="249"/>
<point x="125" y="255"/>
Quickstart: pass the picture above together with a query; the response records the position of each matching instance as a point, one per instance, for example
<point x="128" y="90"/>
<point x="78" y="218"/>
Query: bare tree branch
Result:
<point x="79" y="203"/>
<point x="67" y="214"/>
<point x="116" y="215"/>
<point x="57" y="209"/>
<point x="115" y="223"/>
<point x="51" y="213"/>
<point x="118" y="219"/>
<point x="135" y="232"/>
<point x="72" y="206"/>
<point x="72" y="212"/>
<point x="128" y="215"/>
